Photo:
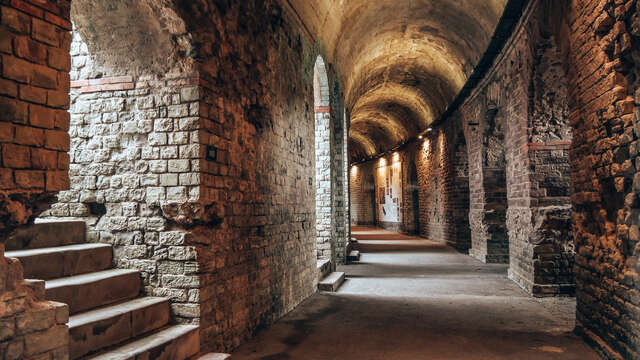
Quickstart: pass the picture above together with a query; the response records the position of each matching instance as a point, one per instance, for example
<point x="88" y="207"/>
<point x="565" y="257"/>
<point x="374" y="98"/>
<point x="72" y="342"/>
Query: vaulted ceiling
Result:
<point x="401" y="62"/>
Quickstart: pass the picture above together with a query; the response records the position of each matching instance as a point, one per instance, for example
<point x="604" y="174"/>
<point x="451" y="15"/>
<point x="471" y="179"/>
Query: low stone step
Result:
<point x="215" y="356"/>
<point x="354" y="255"/>
<point x="332" y="282"/>
<point x="97" y="329"/>
<point x="173" y="343"/>
<point x="324" y="268"/>
<point x="57" y="262"/>
<point x="89" y="291"/>
<point x="47" y="234"/>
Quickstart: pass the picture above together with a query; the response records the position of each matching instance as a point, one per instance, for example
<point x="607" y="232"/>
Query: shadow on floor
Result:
<point x="423" y="300"/>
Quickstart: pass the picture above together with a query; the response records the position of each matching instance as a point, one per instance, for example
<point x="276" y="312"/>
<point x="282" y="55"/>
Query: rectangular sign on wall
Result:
<point x="389" y="199"/>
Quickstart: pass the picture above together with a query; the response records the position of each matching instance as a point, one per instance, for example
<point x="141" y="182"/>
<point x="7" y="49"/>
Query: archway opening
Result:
<point x="323" y="176"/>
<point x="461" y="195"/>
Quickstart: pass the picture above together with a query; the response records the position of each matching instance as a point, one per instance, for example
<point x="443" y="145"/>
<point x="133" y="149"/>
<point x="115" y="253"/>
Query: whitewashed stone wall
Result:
<point x="134" y="151"/>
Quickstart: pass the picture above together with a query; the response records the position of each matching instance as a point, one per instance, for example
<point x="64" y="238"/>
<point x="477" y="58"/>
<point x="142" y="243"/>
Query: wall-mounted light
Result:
<point x="420" y="137"/>
<point x="430" y="129"/>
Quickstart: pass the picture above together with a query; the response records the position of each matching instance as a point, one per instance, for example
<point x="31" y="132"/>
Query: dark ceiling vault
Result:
<point x="401" y="62"/>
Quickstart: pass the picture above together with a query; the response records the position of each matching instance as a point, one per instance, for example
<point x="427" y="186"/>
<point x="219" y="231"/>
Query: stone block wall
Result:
<point x="135" y="158"/>
<point x="34" y="82"/>
<point x="323" y="180"/>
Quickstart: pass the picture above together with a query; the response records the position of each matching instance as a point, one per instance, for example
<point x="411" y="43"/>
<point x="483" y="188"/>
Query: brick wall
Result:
<point x="440" y="161"/>
<point x="256" y="243"/>
<point x="495" y="176"/>
<point x="362" y="194"/>
<point x="34" y="81"/>
<point x="602" y="51"/>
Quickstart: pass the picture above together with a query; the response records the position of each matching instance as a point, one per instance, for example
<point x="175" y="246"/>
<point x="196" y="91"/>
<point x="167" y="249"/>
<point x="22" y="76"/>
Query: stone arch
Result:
<point x="325" y="246"/>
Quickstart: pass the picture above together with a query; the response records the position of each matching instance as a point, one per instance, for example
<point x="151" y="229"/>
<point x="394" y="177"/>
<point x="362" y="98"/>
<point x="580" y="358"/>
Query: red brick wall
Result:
<point x="256" y="242"/>
<point x="34" y="85"/>
<point x="602" y="38"/>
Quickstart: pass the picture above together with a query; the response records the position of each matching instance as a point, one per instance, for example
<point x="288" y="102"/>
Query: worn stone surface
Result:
<point x="602" y="53"/>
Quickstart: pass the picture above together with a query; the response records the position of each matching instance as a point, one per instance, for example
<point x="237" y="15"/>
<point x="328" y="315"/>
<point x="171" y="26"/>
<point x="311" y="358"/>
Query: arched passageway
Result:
<point x="158" y="171"/>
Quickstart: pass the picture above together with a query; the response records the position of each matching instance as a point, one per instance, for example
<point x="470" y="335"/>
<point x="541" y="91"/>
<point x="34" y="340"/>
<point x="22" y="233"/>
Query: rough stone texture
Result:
<point x="325" y="248"/>
<point x="602" y="58"/>
<point x="30" y="328"/>
<point x="134" y="160"/>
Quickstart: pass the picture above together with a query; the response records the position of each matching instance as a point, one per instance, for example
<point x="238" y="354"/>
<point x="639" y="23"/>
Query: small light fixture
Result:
<point x="430" y="129"/>
<point x="420" y="137"/>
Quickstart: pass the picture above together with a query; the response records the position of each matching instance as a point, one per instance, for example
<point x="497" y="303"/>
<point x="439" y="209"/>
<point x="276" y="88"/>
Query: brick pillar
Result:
<point x="34" y="86"/>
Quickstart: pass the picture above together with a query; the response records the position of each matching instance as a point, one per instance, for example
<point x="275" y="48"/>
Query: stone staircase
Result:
<point x="109" y="319"/>
<point x="328" y="281"/>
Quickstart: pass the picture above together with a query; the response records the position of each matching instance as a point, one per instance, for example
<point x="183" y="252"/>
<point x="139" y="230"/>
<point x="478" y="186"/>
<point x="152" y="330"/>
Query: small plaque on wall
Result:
<point x="212" y="153"/>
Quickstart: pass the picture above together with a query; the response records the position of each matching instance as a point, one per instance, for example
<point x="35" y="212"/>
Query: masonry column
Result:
<point x="34" y="85"/>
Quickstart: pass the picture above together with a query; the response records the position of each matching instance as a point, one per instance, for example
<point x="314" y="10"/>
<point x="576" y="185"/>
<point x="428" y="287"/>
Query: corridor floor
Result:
<point x="410" y="299"/>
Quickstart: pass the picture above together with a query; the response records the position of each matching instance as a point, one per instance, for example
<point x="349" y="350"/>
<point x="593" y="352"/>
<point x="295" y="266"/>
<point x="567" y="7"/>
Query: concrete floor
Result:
<point x="411" y="299"/>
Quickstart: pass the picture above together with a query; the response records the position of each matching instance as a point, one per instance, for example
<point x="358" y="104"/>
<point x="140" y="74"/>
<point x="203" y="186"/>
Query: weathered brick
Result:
<point x="30" y="50"/>
<point x="57" y="180"/>
<point x="13" y="110"/>
<point x="16" y="156"/>
<point x="41" y="116"/>
<point x="8" y="88"/>
<point x="44" y="159"/>
<point x="7" y="132"/>
<point x="26" y="135"/>
<point x="29" y="179"/>
<point x="45" y="32"/>
<point x="57" y="140"/>
<point x="16" y="20"/>
<point x="59" y="59"/>
<point x="33" y="94"/>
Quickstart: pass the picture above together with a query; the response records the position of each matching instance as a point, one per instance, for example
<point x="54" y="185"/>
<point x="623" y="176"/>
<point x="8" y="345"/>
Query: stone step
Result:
<point x="47" y="234"/>
<point x="177" y="342"/>
<point x="89" y="291"/>
<point x="58" y="262"/>
<point x="332" y="282"/>
<point x="354" y="255"/>
<point x="97" y="329"/>
<point x="324" y="268"/>
<point x="215" y="356"/>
